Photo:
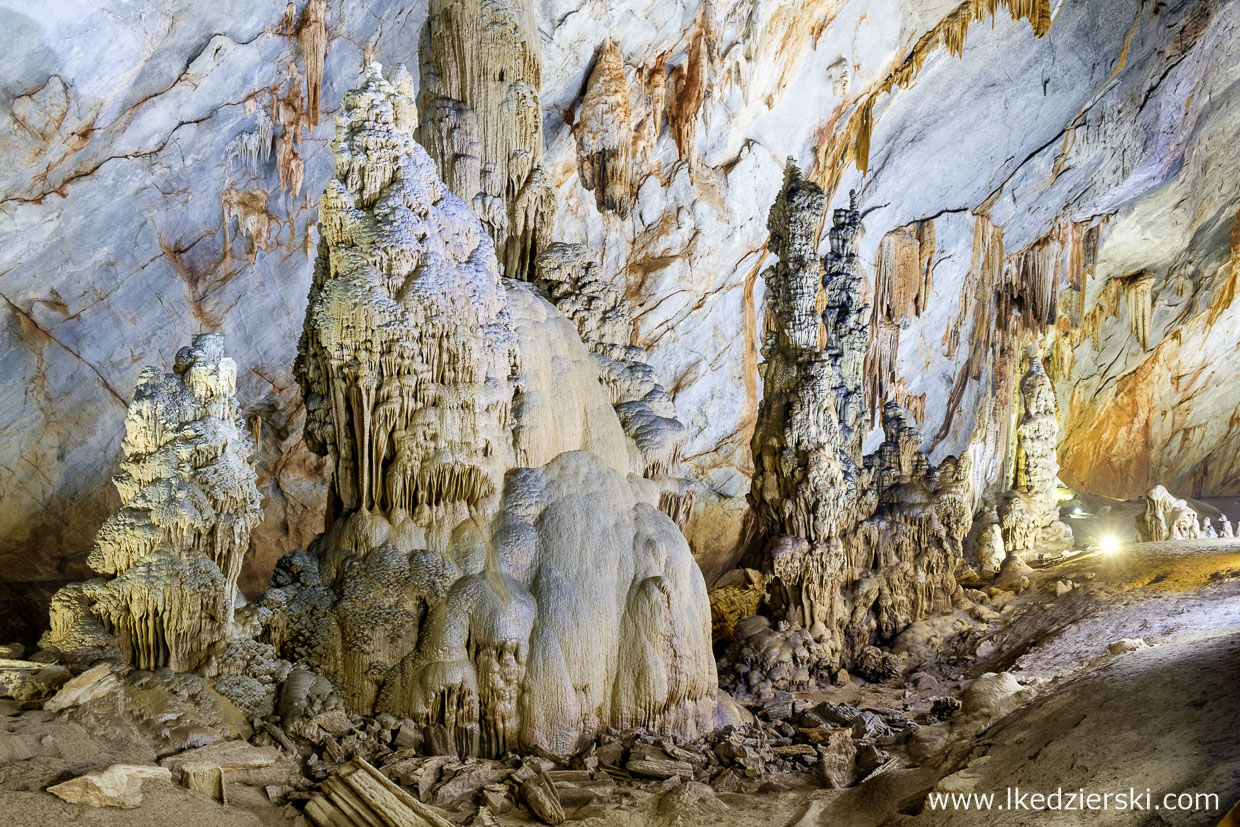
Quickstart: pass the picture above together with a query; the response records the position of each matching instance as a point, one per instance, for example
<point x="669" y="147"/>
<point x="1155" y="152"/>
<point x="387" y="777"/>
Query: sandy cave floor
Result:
<point x="1163" y="717"/>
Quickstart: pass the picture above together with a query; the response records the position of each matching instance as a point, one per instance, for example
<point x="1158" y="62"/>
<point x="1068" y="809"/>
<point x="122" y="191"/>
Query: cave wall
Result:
<point x="1086" y="156"/>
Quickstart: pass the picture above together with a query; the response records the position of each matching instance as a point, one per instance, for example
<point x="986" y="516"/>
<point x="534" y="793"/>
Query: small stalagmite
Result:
<point x="1167" y="517"/>
<point x="169" y="559"/>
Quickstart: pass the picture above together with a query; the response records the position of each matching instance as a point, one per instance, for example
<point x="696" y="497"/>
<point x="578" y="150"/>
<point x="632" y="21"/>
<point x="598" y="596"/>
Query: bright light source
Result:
<point x="1109" y="544"/>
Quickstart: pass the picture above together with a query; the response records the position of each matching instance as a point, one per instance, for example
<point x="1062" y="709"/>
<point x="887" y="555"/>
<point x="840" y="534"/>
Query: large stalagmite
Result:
<point x="1029" y="513"/>
<point x="482" y="123"/>
<point x="170" y="557"/>
<point x="490" y="564"/>
<point x="858" y="547"/>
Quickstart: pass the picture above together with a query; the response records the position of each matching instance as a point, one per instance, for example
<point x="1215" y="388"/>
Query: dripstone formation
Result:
<point x="858" y="547"/>
<point x="483" y="572"/>
<point x="169" y="559"/>
<point x="1029" y="513"/>
<point x="482" y="124"/>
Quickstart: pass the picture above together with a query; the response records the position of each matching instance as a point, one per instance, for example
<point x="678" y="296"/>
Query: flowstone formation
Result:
<point x="169" y="559"/>
<point x="858" y="547"/>
<point x="574" y="282"/>
<point x="482" y="123"/>
<point x="516" y="607"/>
<point x="1029" y="513"/>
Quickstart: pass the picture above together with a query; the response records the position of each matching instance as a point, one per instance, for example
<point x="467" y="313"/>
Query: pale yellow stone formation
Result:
<point x="604" y="128"/>
<point x="482" y="123"/>
<point x="1029" y="513"/>
<point x="170" y="557"/>
<point x="490" y="565"/>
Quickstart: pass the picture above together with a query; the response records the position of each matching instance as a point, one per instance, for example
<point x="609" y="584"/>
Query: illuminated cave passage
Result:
<point x="502" y="413"/>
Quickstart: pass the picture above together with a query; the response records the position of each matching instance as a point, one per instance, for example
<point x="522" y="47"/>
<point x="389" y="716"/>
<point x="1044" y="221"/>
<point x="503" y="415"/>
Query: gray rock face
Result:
<point x="142" y="203"/>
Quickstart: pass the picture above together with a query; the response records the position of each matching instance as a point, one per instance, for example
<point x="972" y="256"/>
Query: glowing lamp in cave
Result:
<point x="1109" y="544"/>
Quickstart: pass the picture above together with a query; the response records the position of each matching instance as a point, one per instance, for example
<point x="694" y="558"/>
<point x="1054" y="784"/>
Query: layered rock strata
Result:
<point x="169" y="559"/>
<point x="490" y="565"/>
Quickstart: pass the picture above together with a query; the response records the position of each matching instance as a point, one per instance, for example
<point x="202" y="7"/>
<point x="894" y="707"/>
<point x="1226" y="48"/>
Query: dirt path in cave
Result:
<point x="1163" y="718"/>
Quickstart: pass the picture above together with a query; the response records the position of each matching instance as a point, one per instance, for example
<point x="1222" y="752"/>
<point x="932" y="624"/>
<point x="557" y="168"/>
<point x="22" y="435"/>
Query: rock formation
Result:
<point x="805" y="445"/>
<point x="573" y="280"/>
<point x="1166" y="518"/>
<point x="604" y="128"/>
<point x="480" y="483"/>
<point x="169" y="559"/>
<point x="1029" y="513"/>
<point x="859" y="547"/>
<point x="481" y="74"/>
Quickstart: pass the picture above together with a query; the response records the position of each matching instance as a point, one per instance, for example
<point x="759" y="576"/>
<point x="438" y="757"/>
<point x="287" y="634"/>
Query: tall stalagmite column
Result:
<point x="481" y="120"/>
<point x="804" y="480"/>
<point x="858" y="546"/>
<point x="1029" y="513"/>
<point x="171" y="556"/>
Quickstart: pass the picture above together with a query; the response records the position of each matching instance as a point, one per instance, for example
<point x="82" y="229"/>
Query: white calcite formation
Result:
<point x="1029" y="513"/>
<point x="1167" y="518"/>
<point x="482" y="123"/>
<point x="573" y="281"/>
<point x="490" y="565"/>
<point x="859" y="547"/>
<point x="169" y="559"/>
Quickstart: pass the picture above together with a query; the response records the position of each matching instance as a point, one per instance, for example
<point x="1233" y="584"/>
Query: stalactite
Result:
<point x="171" y="556"/>
<point x="253" y="149"/>
<point x="687" y="85"/>
<point x="291" y="115"/>
<point x="481" y="75"/>
<point x="604" y="129"/>
<point x="1140" y="295"/>
<point x="249" y="208"/>
<point x="312" y="37"/>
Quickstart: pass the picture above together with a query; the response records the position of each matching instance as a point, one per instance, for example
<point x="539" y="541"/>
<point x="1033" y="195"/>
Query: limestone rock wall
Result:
<point x="1075" y="158"/>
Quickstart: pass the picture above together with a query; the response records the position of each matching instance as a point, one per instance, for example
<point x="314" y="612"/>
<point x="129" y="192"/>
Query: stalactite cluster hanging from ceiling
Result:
<point x="482" y="123"/>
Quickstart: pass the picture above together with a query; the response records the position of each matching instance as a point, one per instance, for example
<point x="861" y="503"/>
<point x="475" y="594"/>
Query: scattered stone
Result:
<point x="120" y="785"/>
<point x="837" y="763"/>
<point x="539" y="794"/>
<point x="95" y="682"/>
<point x="206" y="769"/>
<point x="360" y="794"/>
<point x="941" y="709"/>
<point x="1128" y="644"/>
<point x="28" y="681"/>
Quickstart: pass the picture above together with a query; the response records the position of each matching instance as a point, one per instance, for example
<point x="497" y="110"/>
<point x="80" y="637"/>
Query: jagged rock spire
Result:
<point x="170" y="557"/>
